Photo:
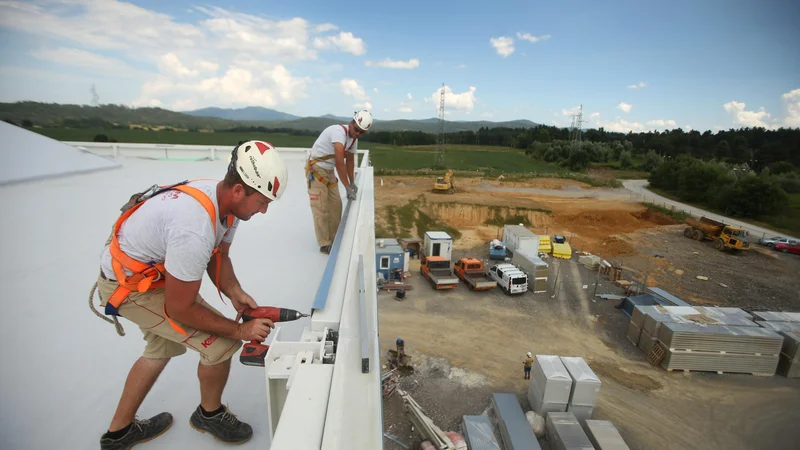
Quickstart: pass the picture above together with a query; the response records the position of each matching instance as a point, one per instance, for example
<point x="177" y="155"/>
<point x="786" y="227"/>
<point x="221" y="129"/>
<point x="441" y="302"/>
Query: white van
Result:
<point x="509" y="278"/>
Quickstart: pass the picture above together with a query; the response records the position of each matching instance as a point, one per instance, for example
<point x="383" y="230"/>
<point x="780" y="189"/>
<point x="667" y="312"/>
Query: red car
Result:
<point x="788" y="247"/>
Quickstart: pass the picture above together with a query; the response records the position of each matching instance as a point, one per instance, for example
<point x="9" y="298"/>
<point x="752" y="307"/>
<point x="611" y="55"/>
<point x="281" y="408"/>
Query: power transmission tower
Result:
<point x="440" y="138"/>
<point x="576" y="127"/>
<point x="95" y="97"/>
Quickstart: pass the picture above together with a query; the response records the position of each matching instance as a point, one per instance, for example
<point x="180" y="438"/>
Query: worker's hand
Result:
<point x="351" y="192"/>
<point x="255" y="330"/>
<point x="242" y="302"/>
<point x="355" y="188"/>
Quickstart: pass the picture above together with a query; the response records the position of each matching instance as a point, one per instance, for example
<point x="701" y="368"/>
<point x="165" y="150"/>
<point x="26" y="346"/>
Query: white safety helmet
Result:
<point x="529" y="354"/>
<point x="260" y="167"/>
<point x="363" y="119"/>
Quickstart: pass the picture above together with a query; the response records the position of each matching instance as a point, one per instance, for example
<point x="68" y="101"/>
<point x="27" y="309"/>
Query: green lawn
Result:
<point x="175" y="137"/>
<point x="466" y="158"/>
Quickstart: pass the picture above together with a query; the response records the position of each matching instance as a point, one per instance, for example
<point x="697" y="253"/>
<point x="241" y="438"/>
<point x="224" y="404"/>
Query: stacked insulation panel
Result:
<point x="515" y="430"/>
<point x="563" y="251"/>
<point x="719" y="348"/>
<point x="789" y="364"/>
<point x="479" y="433"/>
<point x="565" y="433"/>
<point x="550" y="386"/>
<point x="604" y="435"/>
<point x="774" y="316"/>
<point x="544" y="244"/>
<point x="585" y="387"/>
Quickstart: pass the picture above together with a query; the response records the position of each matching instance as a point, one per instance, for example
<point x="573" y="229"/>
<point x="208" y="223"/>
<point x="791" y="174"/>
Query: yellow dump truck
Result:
<point x="725" y="237"/>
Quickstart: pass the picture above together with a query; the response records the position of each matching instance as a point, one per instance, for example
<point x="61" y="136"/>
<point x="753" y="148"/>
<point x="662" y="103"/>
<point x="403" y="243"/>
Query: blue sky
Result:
<point x="633" y="65"/>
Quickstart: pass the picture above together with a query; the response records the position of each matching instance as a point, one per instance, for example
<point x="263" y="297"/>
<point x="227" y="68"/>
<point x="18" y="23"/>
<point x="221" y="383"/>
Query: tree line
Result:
<point x="734" y="189"/>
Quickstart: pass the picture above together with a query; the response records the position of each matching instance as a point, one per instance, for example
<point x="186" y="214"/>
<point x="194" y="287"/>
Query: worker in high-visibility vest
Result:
<point x="151" y="269"/>
<point x="334" y="152"/>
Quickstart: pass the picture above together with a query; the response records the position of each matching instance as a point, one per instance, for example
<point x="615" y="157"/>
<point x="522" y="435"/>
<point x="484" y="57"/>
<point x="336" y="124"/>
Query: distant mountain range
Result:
<point x="218" y="119"/>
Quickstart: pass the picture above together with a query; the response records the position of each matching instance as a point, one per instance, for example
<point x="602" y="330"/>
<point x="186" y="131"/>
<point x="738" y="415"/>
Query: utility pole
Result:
<point x="440" y="138"/>
<point x="575" y="128"/>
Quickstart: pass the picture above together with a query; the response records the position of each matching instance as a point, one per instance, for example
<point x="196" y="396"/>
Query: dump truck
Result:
<point x="725" y="237"/>
<point x="445" y="184"/>
<point x="438" y="271"/>
<point x="472" y="272"/>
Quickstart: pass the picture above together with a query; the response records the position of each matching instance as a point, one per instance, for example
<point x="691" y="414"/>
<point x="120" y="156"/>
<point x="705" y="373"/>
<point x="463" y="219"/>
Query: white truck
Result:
<point x="438" y="243"/>
<point x="518" y="237"/>
<point x="510" y="279"/>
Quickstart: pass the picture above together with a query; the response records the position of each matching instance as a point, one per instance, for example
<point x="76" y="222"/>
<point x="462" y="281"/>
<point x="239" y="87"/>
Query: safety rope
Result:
<point x="117" y="325"/>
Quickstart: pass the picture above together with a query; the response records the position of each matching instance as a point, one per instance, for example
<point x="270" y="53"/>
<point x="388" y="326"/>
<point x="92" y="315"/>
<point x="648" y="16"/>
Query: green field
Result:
<point x="488" y="159"/>
<point x="467" y="158"/>
<point x="174" y="137"/>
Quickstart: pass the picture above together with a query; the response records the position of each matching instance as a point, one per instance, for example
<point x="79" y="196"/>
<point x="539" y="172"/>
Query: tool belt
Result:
<point x="151" y="275"/>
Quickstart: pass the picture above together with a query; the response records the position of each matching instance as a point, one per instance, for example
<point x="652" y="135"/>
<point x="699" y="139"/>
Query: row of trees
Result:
<point x="735" y="189"/>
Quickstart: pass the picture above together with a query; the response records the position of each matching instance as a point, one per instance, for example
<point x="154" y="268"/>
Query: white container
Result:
<point x="517" y="237"/>
<point x="438" y="243"/>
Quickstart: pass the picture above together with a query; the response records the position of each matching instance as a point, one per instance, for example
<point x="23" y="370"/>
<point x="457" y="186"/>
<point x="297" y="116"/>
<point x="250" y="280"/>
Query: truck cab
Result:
<point x="510" y="279"/>
<point x="472" y="272"/>
<point x="438" y="271"/>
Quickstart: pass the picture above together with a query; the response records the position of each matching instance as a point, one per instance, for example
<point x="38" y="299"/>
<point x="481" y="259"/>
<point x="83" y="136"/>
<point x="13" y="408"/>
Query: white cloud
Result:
<point x="571" y="111"/>
<point x="620" y="125"/>
<point x="344" y="42"/>
<point x="351" y="88"/>
<point x="405" y="109"/>
<point x="87" y="60"/>
<point x="217" y="49"/>
<point x="252" y="83"/>
<point x="464" y="101"/>
<point x="792" y="101"/>
<point x="170" y="64"/>
<point x="503" y="45"/>
<point x="531" y="38"/>
<point x="461" y="66"/>
<point x="625" y="107"/>
<point x="594" y="115"/>
<point x="325" y="27"/>
<point x="661" y="123"/>
<point x="639" y="85"/>
<point x="363" y="105"/>
<point x="375" y="90"/>
<point x="390" y="64"/>
<point x="687" y="128"/>
<point x="746" y="118"/>
<point x="409" y="96"/>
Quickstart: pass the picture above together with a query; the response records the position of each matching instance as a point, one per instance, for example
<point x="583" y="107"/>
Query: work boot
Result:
<point x="325" y="249"/>
<point x="224" y="426"/>
<point x="140" y="431"/>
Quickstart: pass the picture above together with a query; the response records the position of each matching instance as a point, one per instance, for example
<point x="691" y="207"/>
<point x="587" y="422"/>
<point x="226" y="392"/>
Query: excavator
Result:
<point x="445" y="184"/>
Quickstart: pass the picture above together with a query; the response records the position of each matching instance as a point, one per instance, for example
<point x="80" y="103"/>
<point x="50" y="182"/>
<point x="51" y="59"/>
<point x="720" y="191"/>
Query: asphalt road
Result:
<point x="639" y="187"/>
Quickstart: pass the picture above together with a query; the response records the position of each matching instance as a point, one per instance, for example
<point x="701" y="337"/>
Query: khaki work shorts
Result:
<point x="146" y="309"/>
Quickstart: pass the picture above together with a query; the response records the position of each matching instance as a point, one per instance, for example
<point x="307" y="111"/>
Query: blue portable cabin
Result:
<point x="390" y="259"/>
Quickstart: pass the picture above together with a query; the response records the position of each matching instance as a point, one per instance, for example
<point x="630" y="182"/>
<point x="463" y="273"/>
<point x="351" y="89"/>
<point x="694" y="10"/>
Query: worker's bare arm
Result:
<point x="181" y="306"/>
<point x="351" y="164"/>
<point x="341" y="170"/>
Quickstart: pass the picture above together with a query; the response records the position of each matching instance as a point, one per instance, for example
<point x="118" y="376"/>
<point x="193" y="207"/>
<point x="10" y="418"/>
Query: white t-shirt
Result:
<point x="173" y="227"/>
<point x="324" y="145"/>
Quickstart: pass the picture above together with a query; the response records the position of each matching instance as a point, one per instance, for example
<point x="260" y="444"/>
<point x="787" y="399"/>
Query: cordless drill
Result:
<point x="254" y="352"/>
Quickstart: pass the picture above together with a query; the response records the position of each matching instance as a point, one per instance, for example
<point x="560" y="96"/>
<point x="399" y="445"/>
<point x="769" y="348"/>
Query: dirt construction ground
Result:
<point x="466" y="345"/>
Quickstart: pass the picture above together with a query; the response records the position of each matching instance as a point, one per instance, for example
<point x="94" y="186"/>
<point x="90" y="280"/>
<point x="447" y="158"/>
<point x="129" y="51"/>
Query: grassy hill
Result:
<point x="118" y="116"/>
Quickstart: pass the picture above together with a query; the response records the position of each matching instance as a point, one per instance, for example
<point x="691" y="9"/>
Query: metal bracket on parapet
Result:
<point x="362" y="297"/>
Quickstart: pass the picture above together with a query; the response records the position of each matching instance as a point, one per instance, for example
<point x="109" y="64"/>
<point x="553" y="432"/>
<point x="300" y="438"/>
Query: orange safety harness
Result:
<point x="148" y="276"/>
<point x="313" y="174"/>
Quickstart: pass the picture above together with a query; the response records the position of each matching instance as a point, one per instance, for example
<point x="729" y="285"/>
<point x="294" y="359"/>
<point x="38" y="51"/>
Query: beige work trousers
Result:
<point x="326" y="206"/>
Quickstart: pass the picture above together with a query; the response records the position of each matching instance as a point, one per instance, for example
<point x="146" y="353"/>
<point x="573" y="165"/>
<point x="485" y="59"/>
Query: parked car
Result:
<point x="771" y="241"/>
<point x="788" y="247"/>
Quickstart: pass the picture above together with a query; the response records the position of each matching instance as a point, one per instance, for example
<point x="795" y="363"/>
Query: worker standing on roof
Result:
<point x="333" y="153"/>
<point x="151" y="270"/>
<point x="527" y="365"/>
